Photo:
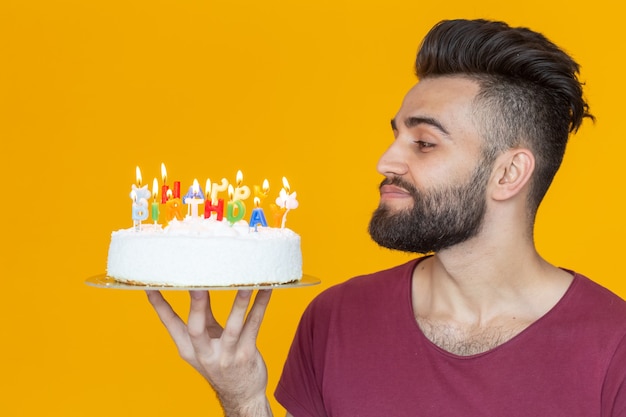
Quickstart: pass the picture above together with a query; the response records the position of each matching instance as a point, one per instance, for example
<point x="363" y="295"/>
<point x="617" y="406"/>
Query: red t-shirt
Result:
<point x="359" y="352"/>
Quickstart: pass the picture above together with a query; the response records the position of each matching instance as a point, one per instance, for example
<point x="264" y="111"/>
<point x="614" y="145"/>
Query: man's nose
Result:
<point x="392" y="162"/>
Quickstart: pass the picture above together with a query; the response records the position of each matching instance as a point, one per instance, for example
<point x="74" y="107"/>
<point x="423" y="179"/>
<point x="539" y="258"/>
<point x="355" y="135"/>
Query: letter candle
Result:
<point x="192" y="200"/>
<point x="257" y="217"/>
<point x="142" y="192"/>
<point x="207" y="198"/>
<point x="232" y="205"/>
<point x="140" y="210"/>
<point x="241" y="191"/>
<point x="211" y="206"/>
<point x="262" y="192"/>
<point x="164" y="187"/>
<point x="215" y="205"/>
<point x="173" y="207"/>
<point x="176" y="189"/>
<point x="140" y="196"/>
<point x="216" y="188"/>
<point x="286" y="201"/>
<point x="155" y="205"/>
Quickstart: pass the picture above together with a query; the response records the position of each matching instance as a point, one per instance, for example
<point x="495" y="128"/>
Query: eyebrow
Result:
<point x="413" y="121"/>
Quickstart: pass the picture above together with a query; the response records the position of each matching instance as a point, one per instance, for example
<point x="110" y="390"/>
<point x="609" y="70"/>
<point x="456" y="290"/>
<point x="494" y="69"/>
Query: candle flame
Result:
<point x="133" y="196"/>
<point x="163" y="173"/>
<point x="239" y="178"/>
<point x="138" y="176"/>
<point x="257" y="202"/>
<point x="169" y="194"/>
<point x="207" y="189"/>
<point x="286" y="185"/>
<point x="155" y="188"/>
<point x="231" y="192"/>
<point x="266" y="187"/>
<point x="195" y="187"/>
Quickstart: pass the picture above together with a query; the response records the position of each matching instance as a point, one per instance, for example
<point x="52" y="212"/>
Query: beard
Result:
<point x="439" y="218"/>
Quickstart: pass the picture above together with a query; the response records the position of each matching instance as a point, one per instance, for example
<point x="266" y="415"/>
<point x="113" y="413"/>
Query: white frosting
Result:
<point x="205" y="252"/>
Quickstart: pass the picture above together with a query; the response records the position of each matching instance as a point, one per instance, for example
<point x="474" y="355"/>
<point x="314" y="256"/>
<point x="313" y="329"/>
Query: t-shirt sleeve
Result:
<point x="300" y="387"/>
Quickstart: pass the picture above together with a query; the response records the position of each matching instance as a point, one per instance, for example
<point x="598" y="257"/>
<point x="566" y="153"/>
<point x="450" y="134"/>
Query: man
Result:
<point x="483" y="326"/>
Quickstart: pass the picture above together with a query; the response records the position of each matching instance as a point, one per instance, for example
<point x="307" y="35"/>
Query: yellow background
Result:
<point x="91" y="88"/>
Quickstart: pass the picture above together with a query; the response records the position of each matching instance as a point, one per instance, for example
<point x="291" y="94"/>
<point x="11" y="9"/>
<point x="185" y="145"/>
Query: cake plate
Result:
<point x="104" y="281"/>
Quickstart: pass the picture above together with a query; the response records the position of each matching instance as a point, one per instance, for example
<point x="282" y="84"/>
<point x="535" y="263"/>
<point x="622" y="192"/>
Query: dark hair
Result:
<point x="529" y="95"/>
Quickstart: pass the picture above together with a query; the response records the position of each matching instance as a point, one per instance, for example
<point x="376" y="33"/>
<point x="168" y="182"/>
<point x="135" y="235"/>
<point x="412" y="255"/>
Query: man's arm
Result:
<point x="227" y="357"/>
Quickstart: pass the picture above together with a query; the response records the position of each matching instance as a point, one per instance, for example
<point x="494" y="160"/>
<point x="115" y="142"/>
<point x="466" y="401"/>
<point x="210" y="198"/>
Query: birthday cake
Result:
<point x="217" y="249"/>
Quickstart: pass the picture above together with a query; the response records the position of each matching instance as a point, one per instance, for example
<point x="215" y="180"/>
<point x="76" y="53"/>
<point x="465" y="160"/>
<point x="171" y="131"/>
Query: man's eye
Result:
<point x="424" y="145"/>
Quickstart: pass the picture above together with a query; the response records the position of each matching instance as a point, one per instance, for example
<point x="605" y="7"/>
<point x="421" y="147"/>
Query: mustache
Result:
<point x="399" y="182"/>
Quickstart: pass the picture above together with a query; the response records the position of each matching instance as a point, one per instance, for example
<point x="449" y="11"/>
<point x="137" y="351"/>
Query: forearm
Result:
<point x="259" y="408"/>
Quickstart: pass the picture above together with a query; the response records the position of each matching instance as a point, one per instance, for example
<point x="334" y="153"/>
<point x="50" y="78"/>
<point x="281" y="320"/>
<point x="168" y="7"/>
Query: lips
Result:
<point x="393" y="191"/>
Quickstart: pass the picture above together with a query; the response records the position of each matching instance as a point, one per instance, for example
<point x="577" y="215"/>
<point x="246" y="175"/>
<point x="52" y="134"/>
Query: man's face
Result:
<point x="434" y="193"/>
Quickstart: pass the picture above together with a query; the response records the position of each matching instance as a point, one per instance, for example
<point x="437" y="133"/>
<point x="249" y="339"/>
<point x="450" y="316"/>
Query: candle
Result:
<point x="139" y="210"/>
<point x="216" y="188"/>
<point x="262" y="192"/>
<point x="155" y="205"/>
<point x="212" y="206"/>
<point x="286" y="200"/>
<point x="176" y="189"/>
<point x="217" y="208"/>
<point x="192" y="200"/>
<point x="258" y="216"/>
<point x="234" y="205"/>
<point x="165" y="186"/>
<point x="139" y="195"/>
<point x="140" y="192"/>
<point x="241" y="191"/>
<point x="207" y="189"/>
<point x="173" y="207"/>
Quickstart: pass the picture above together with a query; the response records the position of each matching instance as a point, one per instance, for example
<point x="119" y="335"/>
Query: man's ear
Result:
<point x="514" y="169"/>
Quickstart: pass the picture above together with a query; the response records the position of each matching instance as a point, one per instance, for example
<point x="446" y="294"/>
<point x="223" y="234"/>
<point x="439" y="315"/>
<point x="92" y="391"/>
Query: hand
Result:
<point x="227" y="357"/>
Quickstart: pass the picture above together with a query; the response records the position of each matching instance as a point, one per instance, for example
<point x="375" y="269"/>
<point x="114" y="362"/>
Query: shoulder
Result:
<point x="593" y="309"/>
<point x="379" y="299"/>
<point x="369" y="286"/>
<point x="588" y="293"/>
<point x="364" y="294"/>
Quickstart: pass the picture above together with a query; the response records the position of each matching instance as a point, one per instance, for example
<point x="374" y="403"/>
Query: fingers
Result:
<point x="238" y="327"/>
<point x="236" y="318"/>
<point x="255" y="316"/>
<point x="202" y="326"/>
<point x="174" y="325"/>
<point x="198" y="316"/>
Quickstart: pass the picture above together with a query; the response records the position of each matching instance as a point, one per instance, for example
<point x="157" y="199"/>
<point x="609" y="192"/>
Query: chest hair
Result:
<point x="466" y="341"/>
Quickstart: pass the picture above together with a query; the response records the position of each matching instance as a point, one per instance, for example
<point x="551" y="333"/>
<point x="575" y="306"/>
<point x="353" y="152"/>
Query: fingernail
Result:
<point x="196" y="295"/>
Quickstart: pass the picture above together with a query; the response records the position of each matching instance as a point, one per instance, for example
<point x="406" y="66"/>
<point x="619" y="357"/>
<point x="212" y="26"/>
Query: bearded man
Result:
<point x="481" y="325"/>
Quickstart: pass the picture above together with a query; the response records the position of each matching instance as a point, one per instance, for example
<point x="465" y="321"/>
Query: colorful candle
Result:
<point x="286" y="200"/>
<point x="176" y="189"/>
<point x="192" y="200"/>
<point x="258" y="216"/>
<point x="262" y="192"/>
<point x="141" y="192"/>
<point x="155" y="205"/>
<point x="241" y="191"/>
<point x="217" y="208"/>
<point x="235" y="210"/>
<point x="216" y="188"/>
<point x="139" y="210"/>
<point x="173" y="207"/>
<point x="164" y="187"/>
<point x="139" y="195"/>
<point x="210" y="206"/>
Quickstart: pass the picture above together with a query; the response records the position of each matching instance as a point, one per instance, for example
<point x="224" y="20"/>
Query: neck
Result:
<point x="479" y="287"/>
